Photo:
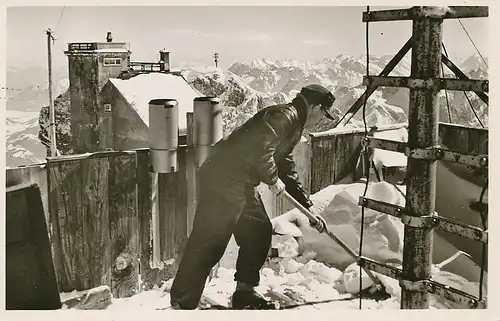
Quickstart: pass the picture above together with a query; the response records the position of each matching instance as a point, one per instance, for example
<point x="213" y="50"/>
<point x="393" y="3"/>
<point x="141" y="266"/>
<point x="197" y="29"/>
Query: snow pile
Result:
<point x="139" y="90"/>
<point x="338" y="204"/>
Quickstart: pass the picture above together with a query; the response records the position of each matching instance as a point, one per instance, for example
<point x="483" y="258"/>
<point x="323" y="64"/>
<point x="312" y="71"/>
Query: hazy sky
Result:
<point x="193" y="34"/>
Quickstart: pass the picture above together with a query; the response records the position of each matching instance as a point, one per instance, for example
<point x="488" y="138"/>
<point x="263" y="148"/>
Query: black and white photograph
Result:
<point x="246" y="157"/>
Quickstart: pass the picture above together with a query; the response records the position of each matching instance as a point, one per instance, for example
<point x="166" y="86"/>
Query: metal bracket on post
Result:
<point x="432" y="221"/>
<point x="420" y="221"/>
<point x="431" y="153"/>
<point x="451" y="294"/>
<point x="429" y="84"/>
<point x="380" y="268"/>
<point x="420" y="286"/>
<point x="387" y="144"/>
<point x="436" y="153"/>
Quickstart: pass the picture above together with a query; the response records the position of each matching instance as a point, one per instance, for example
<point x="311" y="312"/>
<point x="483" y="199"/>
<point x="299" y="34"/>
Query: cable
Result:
<point x="470" y="38"/>
<point x="60" y="18"/>
<point x="473" y="110"/>
<point x="483" y="257"/>
<point x="366" y="163"/>
<point x="465" y="94"/>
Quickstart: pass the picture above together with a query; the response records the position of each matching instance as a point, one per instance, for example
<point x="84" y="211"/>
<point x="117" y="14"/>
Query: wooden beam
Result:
<point x="455" y="12"/>
<point x="370" y="90"/>
<point x="344" y="131"/>
<point x="123" y="226"/>
<point x="484" y="97"/>
<point x="88" y="155"/>
<point x="440" y="83"/>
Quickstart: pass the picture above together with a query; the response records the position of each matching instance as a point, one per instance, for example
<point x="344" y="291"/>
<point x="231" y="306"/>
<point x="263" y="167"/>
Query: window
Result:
<point x="112" y="62"/>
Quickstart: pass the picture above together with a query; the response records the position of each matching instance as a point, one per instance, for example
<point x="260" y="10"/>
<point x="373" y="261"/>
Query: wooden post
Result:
<point x="422" y="133"/>
<point x="191" y="177"/>
<point x="155" y="221"/>
<point x="52" y="125"/>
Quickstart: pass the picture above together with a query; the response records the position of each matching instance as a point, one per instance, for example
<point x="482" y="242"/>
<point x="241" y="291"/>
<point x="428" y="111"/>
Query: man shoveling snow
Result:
<point x="258" y="151"/>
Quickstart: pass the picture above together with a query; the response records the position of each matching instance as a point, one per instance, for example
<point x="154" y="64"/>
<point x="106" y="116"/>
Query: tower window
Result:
<point x="112" y="62"/>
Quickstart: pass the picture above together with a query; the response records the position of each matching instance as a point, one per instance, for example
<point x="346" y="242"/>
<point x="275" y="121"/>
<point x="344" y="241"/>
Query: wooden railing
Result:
<point x="145" y="66"/>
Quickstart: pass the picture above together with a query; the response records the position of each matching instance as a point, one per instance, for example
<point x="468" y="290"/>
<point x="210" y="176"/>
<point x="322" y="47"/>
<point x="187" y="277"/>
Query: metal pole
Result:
<point x="422" y="133"/>
<point x="52" y="126"/>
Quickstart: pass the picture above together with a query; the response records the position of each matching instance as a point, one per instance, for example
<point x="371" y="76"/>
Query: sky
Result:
<point x="192" y="34"/>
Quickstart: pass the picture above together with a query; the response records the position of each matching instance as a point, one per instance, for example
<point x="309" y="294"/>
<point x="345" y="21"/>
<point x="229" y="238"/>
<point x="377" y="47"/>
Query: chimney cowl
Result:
<point x="164" y="60"/>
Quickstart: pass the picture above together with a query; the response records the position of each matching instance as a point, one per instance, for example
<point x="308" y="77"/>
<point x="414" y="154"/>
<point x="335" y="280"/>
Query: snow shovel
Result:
<point x="315" y="222"/>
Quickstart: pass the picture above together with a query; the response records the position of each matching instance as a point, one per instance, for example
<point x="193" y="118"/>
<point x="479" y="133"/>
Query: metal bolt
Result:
<point x="439" y="154"/>
<point x="485" y="85"/>
<point x="483" y="161"/>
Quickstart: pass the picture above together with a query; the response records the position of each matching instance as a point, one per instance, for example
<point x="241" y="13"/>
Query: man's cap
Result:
<point x="326" y="98"/>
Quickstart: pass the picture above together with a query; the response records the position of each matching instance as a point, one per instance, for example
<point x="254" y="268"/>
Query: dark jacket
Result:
<point x="260" y="150"/>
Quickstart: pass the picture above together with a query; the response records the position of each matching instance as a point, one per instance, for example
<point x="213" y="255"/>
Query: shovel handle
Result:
<point x="342" y="244"/>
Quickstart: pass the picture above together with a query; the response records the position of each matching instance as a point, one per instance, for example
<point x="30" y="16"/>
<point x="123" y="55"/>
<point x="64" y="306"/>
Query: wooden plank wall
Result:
<point x="173" y="231"/>
<point x="333" y="157"/>
<point x="302" y="158"/>
<point x="173" y="210"/>
<point x="94" y="221"/>
<point x="463" y="139"/>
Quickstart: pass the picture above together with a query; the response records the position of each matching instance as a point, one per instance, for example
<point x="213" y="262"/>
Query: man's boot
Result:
<point x="245" y="298"/>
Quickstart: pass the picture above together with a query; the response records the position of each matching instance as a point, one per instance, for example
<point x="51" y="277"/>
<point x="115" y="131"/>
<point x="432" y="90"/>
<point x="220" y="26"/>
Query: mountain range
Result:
<point x="244" y="88"/>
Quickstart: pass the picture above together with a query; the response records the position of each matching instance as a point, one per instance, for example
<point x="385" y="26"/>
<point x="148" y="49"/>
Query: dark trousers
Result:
<point x="217" y="217"/>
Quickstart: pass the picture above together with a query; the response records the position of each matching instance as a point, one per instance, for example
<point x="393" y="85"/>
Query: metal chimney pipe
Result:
<point x="207" y="118"/>
<point x="164" y="134"/>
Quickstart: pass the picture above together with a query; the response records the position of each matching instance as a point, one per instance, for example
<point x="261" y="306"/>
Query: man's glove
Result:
<point x="321" y="224"/>
<point x="277" y="188"/>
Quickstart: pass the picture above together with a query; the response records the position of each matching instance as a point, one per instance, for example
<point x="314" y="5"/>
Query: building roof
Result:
<point x="139" y="90"/>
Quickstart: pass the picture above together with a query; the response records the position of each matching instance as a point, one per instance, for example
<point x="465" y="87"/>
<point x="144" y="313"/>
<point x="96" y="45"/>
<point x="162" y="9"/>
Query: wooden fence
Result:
<point x="99" y="218"/>
<point x="334" y="155"/>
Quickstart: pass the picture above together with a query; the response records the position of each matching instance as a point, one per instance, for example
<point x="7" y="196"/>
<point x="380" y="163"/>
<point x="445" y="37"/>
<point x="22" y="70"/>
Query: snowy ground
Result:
<point x="307" y="282"/>
<point x="313" y="282"/>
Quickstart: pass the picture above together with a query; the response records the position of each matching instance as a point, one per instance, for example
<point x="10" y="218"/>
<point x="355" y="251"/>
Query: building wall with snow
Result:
<point x="129" y="100"/>
<point x="125" y="130"/>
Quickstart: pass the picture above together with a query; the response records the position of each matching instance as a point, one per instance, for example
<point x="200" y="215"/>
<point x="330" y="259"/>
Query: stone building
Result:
<point x="109" y="95"/>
